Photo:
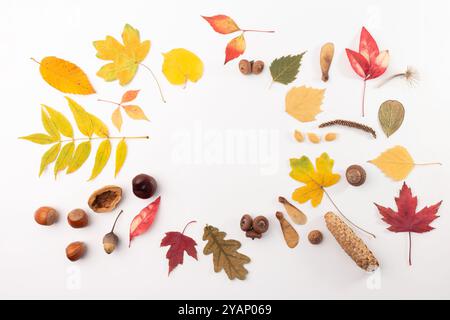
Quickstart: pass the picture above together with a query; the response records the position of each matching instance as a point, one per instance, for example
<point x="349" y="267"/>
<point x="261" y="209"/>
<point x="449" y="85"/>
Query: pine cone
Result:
<point x="351" y="243"/>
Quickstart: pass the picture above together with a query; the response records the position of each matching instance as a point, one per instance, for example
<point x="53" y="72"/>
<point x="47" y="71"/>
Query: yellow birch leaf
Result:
<point x="135" y="112"/>
<point x="181" y="65"/>
<point x="304" y="103"/>
<point x="65" y="76"/>
<point x="49" y="157"/>
<point x="396" y="163"/>
<point x="121" y="155"/>
<point x="100" y="128"/>
<point x="64" y="157"/>
<point x="49" y="125"/>
<point x="80" y="156"/>
<point x="117" y="118"/>
<point x="83" y="119"/>
<point x="40" y="138"/>
<point x="60" y="121"/>
<point x="101" y="158"/>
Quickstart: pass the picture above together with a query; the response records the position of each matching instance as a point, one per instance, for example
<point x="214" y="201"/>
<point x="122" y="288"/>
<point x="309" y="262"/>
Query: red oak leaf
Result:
<point x="406" y="219"/>
<point x="142" y="222"/>
<point x="179" y="243"/>
<point x="369" y="63"/>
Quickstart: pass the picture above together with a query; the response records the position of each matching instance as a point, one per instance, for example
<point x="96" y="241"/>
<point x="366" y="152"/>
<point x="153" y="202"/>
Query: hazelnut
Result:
<point x="257" y="67"/>
<point x="356" y="175"/>
<point x="246" y="222"/>
<point x="46" y="216"/>
<point x="253" y="234"/>
<point x="245" y="66"/>
<point x="260" y="224"/>
<point x="78" y="218"/>
<point x="315" y="237"/>
<point x="105" y="199"/>
<point x="75" y="251"/>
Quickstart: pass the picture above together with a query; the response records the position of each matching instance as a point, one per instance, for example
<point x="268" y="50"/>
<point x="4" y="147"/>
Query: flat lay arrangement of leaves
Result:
<point x="303" y="103"/>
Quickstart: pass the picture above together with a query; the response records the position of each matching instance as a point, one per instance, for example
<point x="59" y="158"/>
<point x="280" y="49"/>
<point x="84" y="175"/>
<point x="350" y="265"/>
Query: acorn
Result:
<point x="110" y="240"/>
<point x="356" y="175"/>
<point x="260" y="224"/>
<point x="257" y="67"/>
<point x="246" y="222"/>
<point x="245" y="66"/>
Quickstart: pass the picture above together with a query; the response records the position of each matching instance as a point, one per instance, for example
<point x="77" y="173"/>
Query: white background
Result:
<point x="33" y="263"/>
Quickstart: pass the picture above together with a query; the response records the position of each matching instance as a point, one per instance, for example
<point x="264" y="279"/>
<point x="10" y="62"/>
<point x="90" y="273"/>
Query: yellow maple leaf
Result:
<point x="125" y="57"/>
<point x="315" y="180"/>
<point x="304" y="103"/>
<point x="181" y="65"/>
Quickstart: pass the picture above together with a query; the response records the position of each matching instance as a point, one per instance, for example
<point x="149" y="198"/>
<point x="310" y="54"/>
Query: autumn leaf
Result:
<point x="143" y="221"/>
<point x="181" y="65"/>
<point x="315" y="180"/>
<point x="135" y="112"/>
<point x="225" y="254"/>
<point x="285" y="69"/>
<point x="179" y="243"/>
<point x="49" y="125"/>
<point x="129" y="96"/>
<point x="406" y="219"/>
<point x="222" y="24"/>
<point x="64" y="158"/>
<point x="40" y="138"/>
<point x="49" y="157"/>
<point x="117" y="119"/>
<point x="62" y="124"/>
<point x="101" y="158"/>
<point x="65" y="76"/>
<point x="80" y="156"/>
<point x="82" y="118"/>
<point x="304" y="103"/>
<point x="369" y="63"/>
<point x="121" y="155"/>
<point x="235" y="48"/>
<point x="397" y="163"/>
<point x="391" y="115"/>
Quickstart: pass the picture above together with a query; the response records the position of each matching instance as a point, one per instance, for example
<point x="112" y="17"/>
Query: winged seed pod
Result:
<point x="351" y="243"/>
<point x="326" y="58"/>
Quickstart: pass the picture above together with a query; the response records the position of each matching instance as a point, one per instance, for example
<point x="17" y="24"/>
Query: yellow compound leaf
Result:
<point x="125" y="58"/>
<point x="181" y="65"/>
<point x="40" y="138"/>
<point x="396" y="163"/>
<point x="121" y="155"/>
<point x="49" y="157"/>
<point x="80" y="156"/>
<point x="64" y="158"/>
<point x="60" y="121"/>
<point x="117" y="119"/>
<point x="83" y="119"/>
<point x="135" y="112"/>
<point x="304" y="103"/>
<point x="100" y="128"/>
<point x="101" y="158"/>
<point x="49" y="125"/>
<point x="315" y="180"/>
<point x="65" y="76"/>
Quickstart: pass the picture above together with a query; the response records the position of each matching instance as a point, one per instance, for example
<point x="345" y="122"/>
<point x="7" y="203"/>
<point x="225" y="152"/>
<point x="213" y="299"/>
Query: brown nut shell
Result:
<point x="46" y="216"/>
<point x="246" y="222"/>
<point x="245" y="66"/>
<point x="77" y="218"/>
<point x="257" y="67"/>
<point x="75" y="251"/>
<point x="105" y="199"/>
<point x="315" y="237"/>
<point x="356" y="175"/>
<point x="260" y="224"/>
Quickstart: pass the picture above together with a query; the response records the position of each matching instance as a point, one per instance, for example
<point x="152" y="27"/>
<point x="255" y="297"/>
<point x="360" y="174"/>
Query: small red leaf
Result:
<point x="129" y="96"/>
<point x="179" y="243"/>
<point x="359" y="64"/>
<point x="235" y="48"/>
<point x="142" y="222"/>
<point x="379" y="66"/>
<point x="368" y="46"/>
<point x="222" y="24"/>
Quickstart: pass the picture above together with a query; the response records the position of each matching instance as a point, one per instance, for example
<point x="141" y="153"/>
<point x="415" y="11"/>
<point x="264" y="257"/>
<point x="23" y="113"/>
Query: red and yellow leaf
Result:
<point x="129" y="96"/>
<point x="143" y="221"/>
<point x="222" y="24"/>
<point x="368" y="47"/>
<point x="358" y="63"/>
<point x="235" y="48"/>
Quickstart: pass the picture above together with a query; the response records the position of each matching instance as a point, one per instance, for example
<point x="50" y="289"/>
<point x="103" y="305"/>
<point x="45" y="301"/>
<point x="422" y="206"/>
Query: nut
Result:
<point x="75" y="251"/>
<point x="78" y="218"/>
<point x="246" y="222"/>
<point x="356" y="175"/>
<point x="260" y="224"/>
<point x="105" y="199"/>
<point x="46" y="216"/>
<point x="253" y="234"/>
<point x="110" y="241"/>
<point x="245" y="66"/>
<point x="257" y="67"/>
<point x="315" y="237"/>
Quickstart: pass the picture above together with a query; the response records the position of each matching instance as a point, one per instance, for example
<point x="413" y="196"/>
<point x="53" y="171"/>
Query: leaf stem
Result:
<point x="114" y="225"/>
<point x="252" y="30"/>
<point x="103" y="138"/>
<point x="33" y="59"/>
<point x="429" y="164"/>
<point x="107" y="101"/>
<point x="188" y="225"/>
<point x="157" y="82"/>
<point x="410" y="243"/>
<point x="364" y="97"/>
<point x="340" y="212"/>
<point x="398" y="75"/>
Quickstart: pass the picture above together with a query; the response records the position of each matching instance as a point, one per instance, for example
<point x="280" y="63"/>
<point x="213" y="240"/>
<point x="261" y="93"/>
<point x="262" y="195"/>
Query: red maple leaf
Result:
<point x="179" y="243"/>
<point x="406" y="219"/>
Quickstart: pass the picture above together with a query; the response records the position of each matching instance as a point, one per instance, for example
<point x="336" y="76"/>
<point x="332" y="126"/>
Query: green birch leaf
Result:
<point x="100" y="128"/>
<point x="101" y="158"/>
<point x="49" y="125"/>
<point x="391" y="115"/>
<point x="80" y="156"/>
<point x="285" y="69"/>
<point x="40" y="138"/>
<point x="83" y="119"/>
<point x="49" y="157"/>
<point x="60" y="121"/>
<point x="121" y="155"/>
<point x="64" y="158"/>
